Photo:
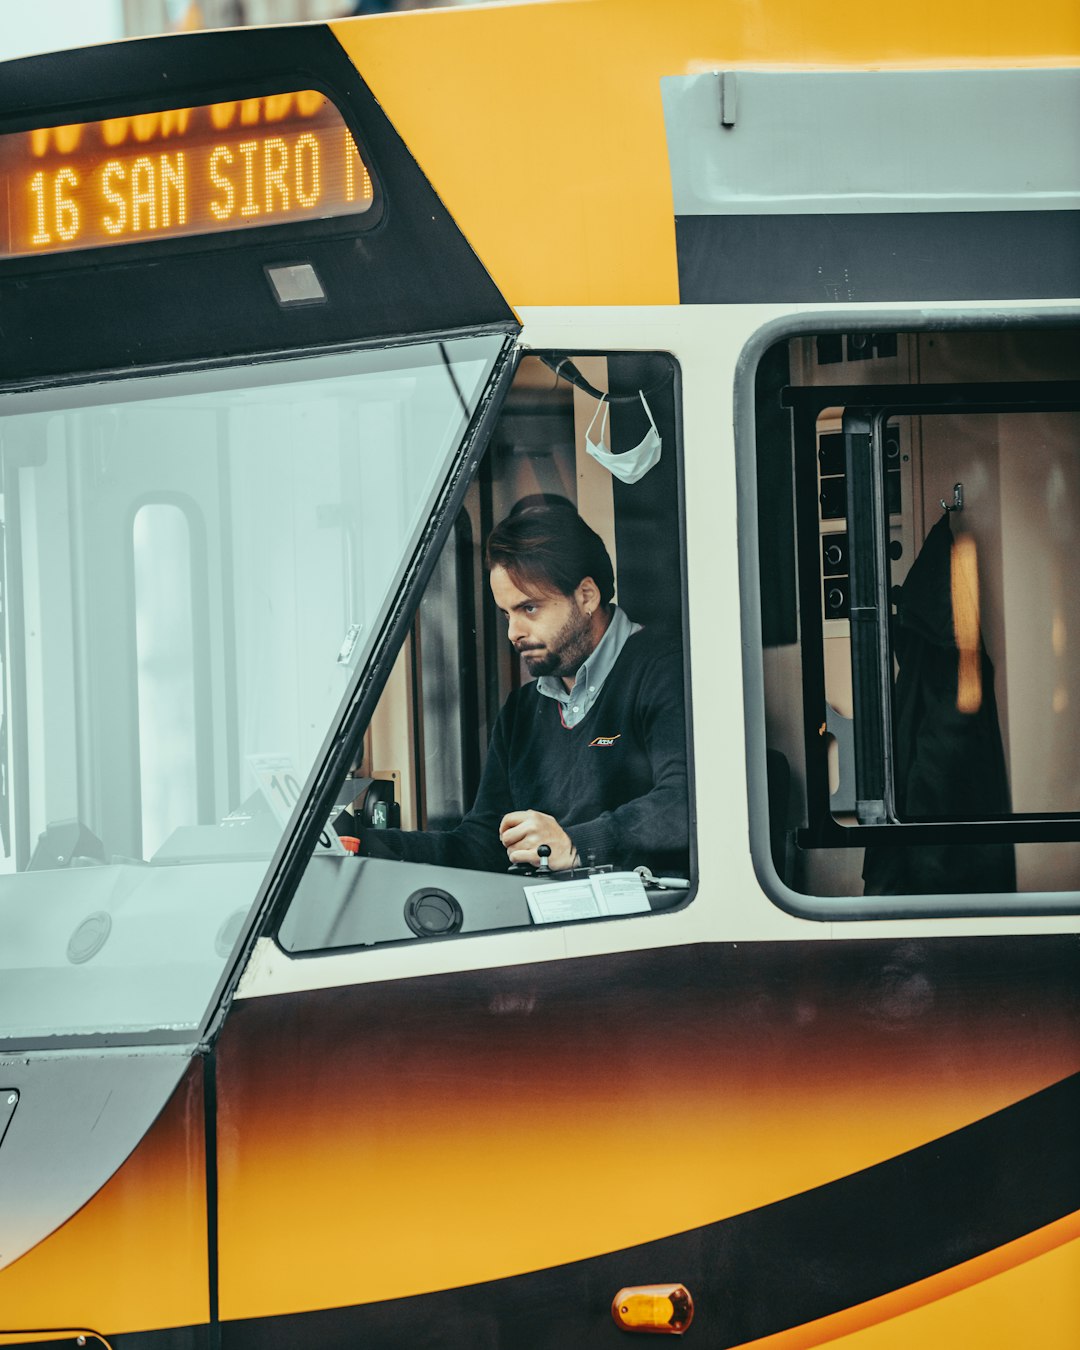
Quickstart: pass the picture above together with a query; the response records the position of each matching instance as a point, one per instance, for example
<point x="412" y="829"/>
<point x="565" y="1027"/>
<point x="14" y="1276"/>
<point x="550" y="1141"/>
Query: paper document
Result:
<point x="604" y="893"/>
<point x="280" y="787"/>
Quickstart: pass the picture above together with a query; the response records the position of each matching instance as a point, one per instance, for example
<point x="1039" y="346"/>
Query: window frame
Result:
<point x="857" y="907"/>
<point x="407" y="613"/>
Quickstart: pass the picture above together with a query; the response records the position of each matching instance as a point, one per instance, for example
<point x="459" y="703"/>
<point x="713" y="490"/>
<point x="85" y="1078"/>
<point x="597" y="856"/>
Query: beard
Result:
<point x="567" y="650"/>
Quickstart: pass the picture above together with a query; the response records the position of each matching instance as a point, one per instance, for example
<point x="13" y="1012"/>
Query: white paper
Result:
<point x="621" y="893"/>
<point x="280" y="788"/>
<point x="603" y="894"/>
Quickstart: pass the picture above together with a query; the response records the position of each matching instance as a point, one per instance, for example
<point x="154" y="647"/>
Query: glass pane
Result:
<point x="982" y="619"/>
<point x="194" y="568"/>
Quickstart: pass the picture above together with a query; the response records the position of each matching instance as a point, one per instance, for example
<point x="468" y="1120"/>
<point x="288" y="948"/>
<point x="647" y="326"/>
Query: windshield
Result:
<point x="194" y="566"/>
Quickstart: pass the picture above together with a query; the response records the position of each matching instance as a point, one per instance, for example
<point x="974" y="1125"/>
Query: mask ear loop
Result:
<point x="603" y="425"/>
<point x="648" y="410"/>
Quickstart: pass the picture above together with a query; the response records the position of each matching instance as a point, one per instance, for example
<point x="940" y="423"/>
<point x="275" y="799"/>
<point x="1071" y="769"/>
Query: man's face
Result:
<point x="550" y="630"/>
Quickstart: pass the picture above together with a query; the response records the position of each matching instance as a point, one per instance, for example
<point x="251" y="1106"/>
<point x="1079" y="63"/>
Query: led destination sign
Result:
<point x="224" y="166"/>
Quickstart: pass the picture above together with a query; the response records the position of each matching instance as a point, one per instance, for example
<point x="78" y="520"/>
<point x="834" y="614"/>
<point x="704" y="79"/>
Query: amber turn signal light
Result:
<point x="664" y="1309"/>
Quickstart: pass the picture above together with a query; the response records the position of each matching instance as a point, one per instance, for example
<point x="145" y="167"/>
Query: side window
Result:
<point x="527" y="761"/>
<point x="919" y="505"/>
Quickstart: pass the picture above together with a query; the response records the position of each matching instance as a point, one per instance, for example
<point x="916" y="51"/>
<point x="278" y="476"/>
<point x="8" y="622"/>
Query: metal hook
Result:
<point x="957" y="499"/>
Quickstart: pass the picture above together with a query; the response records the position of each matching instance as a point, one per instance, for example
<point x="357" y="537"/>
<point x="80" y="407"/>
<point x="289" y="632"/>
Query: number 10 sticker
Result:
<point x="280" y="787"/>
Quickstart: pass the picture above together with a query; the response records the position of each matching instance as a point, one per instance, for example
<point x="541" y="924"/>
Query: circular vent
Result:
<point x="433" y="913"/>
<point x="89" y="938"/>
<point x="229" y="932"/>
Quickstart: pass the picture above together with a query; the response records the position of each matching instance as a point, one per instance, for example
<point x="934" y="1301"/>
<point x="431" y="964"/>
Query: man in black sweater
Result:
<point x="590" y="758"/>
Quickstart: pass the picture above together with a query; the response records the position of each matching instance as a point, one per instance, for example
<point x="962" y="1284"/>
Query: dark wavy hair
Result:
<point x="552" y="549"/>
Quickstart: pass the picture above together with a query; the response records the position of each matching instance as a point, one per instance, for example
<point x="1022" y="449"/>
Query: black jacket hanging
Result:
<point x="949" y="764"/>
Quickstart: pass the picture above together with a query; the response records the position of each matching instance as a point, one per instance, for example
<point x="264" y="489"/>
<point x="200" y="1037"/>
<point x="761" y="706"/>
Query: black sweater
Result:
<point x="616" y="782"/>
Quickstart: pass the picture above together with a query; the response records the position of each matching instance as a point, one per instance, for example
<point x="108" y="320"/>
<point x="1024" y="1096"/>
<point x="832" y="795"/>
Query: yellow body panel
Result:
<point x="135" y="1255"/>
<point x="541" y="126"/>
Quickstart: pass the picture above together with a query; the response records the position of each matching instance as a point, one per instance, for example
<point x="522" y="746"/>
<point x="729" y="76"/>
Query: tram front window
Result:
<point x="194" y="566"/>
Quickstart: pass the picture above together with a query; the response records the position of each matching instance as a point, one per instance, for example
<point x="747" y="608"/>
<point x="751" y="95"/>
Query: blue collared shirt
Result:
<point x="589" y="680"/>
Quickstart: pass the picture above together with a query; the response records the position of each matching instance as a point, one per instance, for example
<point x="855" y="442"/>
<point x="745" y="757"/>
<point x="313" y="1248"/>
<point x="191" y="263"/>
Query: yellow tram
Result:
<point x="289" y="320"/>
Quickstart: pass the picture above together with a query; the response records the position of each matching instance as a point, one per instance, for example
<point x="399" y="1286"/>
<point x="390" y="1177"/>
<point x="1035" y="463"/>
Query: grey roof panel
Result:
<point x="778" y="142"/>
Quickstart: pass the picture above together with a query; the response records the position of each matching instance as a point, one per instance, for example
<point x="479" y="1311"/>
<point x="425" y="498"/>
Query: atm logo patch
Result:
<point x="604" y="740"/>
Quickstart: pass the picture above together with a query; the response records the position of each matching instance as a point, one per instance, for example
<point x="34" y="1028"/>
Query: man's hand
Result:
<point x="522" y="832"/>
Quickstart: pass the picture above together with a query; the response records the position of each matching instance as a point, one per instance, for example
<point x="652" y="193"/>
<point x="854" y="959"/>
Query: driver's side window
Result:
<point x="527" y="760"/>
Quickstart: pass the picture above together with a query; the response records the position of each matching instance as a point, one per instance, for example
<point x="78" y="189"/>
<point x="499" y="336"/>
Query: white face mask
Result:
<point x="631" y="464"/>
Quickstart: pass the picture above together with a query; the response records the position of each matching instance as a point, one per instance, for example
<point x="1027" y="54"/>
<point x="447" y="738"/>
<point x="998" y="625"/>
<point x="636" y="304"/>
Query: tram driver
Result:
<point x="590" y="757"/>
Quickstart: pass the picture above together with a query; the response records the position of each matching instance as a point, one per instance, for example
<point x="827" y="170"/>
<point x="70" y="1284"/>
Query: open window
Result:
<point x="918" y="512"/>
<point x="422" y="760"/>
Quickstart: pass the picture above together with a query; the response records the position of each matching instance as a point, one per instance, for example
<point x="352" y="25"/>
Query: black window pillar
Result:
<point x="871" y="652"/>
